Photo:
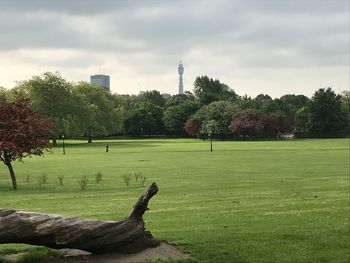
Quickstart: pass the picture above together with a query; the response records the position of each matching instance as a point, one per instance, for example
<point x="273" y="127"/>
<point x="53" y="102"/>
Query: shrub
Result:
<point x="137" y="175"/>
<point x="143" y="181"/>
<point x="42" y="180"/>
<point x="126" y="179"/>
<point x="60" y="178"/>
<point x="98" y="177"/>
<point x="83" y="182"/>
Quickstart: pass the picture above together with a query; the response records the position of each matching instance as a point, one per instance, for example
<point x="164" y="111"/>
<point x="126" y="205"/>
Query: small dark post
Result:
<point x="211" y="141"/>
<point x="63" y="146"/>
<point x="141" y="131"/>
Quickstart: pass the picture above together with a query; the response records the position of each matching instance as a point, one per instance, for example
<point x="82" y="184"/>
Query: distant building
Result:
<point x="101" y="80"/>
<point x="180" y="70"/>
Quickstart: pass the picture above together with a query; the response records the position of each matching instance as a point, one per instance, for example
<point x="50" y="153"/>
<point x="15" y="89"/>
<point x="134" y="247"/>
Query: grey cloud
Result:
<point x="64" y="6"/>
<point x="151" y="36"/>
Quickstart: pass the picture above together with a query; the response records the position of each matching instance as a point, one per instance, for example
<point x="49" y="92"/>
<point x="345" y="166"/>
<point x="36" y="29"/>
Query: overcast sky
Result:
<point x="274" y="47"/>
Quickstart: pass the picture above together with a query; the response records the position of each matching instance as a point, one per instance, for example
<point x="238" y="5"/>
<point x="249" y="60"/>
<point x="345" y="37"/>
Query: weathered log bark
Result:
<point x="95" y="236"/>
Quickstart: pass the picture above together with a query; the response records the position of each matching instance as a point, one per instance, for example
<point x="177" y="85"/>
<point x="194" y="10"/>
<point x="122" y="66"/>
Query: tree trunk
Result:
<point x="89" y="136"/>
<point x="12" y="174"/>
<point x="54" y="141"/>
<point x="95" y="236"/>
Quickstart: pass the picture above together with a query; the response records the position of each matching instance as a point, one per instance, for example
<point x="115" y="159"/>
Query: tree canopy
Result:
<point x="208" y="90"/>
<point x="326" y="113"/>
<point x="84" y="109"/>
<point x="23" y="132"/>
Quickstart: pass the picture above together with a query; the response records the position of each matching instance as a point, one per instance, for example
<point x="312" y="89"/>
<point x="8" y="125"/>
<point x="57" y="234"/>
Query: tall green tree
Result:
<point x="50" y="94"/>
<point x="176" y="116"/>
<point x="345" y="105"/>
<point x="246" y="102"/>
<point x="180" y="98"/>
<point x="302" y="119"/>
<point x="326" y="114"/>
<point x="219" y="111"/>
<point x="153" y="97"/>
<point x="208" y="90"/>
<point x="96" y="111"/>
<point x="290" y="104"/>
<point x="144" y="119"/>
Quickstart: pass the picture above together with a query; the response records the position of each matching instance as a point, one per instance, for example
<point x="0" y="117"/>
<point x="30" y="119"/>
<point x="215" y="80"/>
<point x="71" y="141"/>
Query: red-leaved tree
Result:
<point x="247" y="123"/>
<point x="23" y="132"/>
<point x="276" y="123"/>
<point x="193" y="126"/>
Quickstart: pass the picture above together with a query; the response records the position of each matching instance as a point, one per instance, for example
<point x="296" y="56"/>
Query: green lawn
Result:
<point x="274" y="201"/>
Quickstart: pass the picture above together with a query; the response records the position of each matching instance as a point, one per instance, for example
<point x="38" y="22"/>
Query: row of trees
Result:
<point x="75" y="109"/>
<point x="83" y="109"/>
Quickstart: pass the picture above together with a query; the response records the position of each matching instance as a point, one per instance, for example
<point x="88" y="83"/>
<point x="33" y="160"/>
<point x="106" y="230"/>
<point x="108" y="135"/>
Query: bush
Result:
<point x="137" y="175"/>
<point x="126" y="179"/>
<point x="143" y="181"/>
<point x="60" y="178"/>
<point x="83" y="182"/>
<point x="98" y="177"/>
<point x="42" y="180"/>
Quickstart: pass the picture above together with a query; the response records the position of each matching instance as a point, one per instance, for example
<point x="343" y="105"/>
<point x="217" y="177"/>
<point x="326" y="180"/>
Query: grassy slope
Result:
<point x="276" y="201"/>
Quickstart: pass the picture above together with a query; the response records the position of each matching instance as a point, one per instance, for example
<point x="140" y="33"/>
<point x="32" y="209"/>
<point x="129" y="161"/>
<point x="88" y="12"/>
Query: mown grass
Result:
<point x="275" y="201"/>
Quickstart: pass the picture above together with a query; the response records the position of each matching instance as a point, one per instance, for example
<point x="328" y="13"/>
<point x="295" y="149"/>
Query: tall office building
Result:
<point x="180" y="70"/>
<point x="101" y="80"/>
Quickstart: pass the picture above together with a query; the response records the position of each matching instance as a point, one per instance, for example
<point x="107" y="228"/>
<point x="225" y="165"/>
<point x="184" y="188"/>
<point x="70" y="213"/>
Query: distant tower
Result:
<point x="180" y="69"/>
<point x="101" y="80"/>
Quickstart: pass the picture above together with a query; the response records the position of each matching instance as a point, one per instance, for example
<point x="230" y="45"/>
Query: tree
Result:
<point x="3" y="94"/>
<point x="219" y="111"/>
<point x="145" y="118"/>
<point x="193" y="126"/>
<point x="23" y="132"/>
<point x="96" y="112"/>
<point x="261" y="99"/>
<point x="290" y="104"/>
<point x="276" y="123"/>
<point x="345" y="105"/>
<point x="302" y="119"/>
<point x="246" y="102"/>
<point x="180" y="98"/>
<point x="270" y="106"/>
<point x="50" y="94"/>
<point x="326" y="114"/>
<point x="153" y="97"/>
<point x="208" y="90"/>
<point x="210" y="127"/>
<point x="247" y="123"/>
<point x="175" y="116"/>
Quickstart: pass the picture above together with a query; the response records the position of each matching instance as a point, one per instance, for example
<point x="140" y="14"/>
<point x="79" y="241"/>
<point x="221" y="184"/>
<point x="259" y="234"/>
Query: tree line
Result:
<point x="84" y="109"/>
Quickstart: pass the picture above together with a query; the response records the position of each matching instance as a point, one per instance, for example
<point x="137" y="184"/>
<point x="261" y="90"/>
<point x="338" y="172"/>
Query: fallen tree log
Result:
<point x="95" y="236"/>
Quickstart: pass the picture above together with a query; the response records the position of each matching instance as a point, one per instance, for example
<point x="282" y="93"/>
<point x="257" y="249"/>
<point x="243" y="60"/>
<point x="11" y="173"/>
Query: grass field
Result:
<point x="274" y="201"/>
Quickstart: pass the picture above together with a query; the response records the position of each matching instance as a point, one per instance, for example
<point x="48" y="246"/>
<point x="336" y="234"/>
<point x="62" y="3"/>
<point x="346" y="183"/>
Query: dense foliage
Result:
<point x="84" y="109"/>
<point x="23" y="132"/>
